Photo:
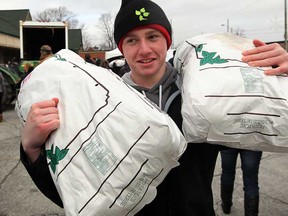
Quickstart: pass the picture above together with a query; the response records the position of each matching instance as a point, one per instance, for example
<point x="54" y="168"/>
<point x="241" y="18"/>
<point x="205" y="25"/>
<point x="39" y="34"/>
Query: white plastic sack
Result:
<point x="113" y="146"/>
<point x="225" y="101"/>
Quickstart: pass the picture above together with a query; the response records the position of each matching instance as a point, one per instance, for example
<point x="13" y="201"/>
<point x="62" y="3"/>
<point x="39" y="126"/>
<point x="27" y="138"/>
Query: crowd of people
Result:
<point x="187" y="190"/>
<point x="118" y="65"/>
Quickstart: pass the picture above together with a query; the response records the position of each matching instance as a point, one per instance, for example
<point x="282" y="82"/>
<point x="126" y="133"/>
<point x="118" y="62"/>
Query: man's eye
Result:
<point x="153" y="36"/>
<point x="130" y="40"/>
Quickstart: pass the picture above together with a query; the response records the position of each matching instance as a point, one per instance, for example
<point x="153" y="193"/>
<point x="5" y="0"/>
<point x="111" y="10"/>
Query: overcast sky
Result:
<point x="261" y="19"/>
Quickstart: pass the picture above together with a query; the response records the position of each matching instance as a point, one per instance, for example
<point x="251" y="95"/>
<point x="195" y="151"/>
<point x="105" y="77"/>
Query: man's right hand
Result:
<point x="42" y="119"/>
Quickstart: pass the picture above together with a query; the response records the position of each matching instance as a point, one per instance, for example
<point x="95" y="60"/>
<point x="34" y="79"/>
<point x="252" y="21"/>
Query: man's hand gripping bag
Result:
<point x="113" y="146"/>
<point x="225" y="101"/>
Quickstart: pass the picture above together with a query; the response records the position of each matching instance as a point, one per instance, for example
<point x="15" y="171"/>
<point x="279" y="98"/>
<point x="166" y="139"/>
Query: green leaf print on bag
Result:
<point x="59" y="58"/>
<point x="55" y="157"/>
<point x="208" y="57"/>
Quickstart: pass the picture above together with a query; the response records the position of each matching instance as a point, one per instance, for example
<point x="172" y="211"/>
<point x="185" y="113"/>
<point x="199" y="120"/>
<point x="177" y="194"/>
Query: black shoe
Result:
<point x="251" y="206"/>
<point x="226" y="198"/>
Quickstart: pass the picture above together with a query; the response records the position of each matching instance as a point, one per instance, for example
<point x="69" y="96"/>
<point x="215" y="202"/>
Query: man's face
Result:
<point x="42" y="55"/>
<point x="145" y="52"/>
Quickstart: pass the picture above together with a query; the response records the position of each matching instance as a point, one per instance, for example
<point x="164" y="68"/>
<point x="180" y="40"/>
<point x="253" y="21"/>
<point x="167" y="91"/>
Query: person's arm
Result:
<point x="266" y="56"/>
<point x="40" y="174"/>
<point x="42" y="119"/>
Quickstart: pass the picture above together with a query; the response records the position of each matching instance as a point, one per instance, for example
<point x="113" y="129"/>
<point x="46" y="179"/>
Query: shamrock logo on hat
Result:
<point x="143" y="14"/>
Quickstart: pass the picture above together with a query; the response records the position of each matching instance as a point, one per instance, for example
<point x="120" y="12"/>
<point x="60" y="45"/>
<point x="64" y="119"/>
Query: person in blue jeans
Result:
<point x="250" y="162"/>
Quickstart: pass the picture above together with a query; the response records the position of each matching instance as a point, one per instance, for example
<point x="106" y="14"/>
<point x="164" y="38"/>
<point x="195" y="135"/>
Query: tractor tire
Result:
<point x="8" y="95"/>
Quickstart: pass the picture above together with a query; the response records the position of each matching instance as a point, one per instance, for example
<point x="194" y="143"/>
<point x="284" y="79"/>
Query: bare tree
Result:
<point x="106" y="26"/>
<point x="86" y="39"/>
<point x="59" y="14"/>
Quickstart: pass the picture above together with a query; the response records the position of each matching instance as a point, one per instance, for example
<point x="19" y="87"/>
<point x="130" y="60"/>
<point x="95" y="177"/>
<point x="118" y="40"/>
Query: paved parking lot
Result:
<point x="20" y="197"/>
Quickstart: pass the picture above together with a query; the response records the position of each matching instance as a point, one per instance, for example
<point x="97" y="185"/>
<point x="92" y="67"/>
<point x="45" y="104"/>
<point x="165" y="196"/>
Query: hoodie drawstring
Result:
<point x="160" y="97"/>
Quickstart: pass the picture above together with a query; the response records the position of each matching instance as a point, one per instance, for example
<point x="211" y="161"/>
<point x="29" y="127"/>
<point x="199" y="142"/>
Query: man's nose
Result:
<point x="144" y="46"/>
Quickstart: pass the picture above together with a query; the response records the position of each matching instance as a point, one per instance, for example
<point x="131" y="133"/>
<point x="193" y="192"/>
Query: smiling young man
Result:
<point x="143" y="34"/>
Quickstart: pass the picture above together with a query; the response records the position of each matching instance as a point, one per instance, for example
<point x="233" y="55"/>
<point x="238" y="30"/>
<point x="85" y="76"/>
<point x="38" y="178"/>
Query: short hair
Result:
<point x="46" y="48"/>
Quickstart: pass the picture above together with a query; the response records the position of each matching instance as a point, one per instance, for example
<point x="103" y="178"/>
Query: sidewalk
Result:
<point x="20" y="197"/>
<point x="273" y="184"/>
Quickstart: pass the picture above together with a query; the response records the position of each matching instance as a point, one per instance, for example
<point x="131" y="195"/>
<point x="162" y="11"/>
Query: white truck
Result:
<point x="34" y="34"/>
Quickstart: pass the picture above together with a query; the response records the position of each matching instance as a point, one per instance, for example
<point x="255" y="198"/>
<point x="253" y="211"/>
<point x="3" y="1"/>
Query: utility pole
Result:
<point x="227" y="25"/>
<point x="285" y="24"/>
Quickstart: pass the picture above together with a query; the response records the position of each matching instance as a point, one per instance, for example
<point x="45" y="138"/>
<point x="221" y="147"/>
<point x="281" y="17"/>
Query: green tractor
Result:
<point x="12" y="82"/>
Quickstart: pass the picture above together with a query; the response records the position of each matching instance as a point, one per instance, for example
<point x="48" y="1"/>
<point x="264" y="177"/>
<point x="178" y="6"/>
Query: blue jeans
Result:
<point x="250" y="161"/>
